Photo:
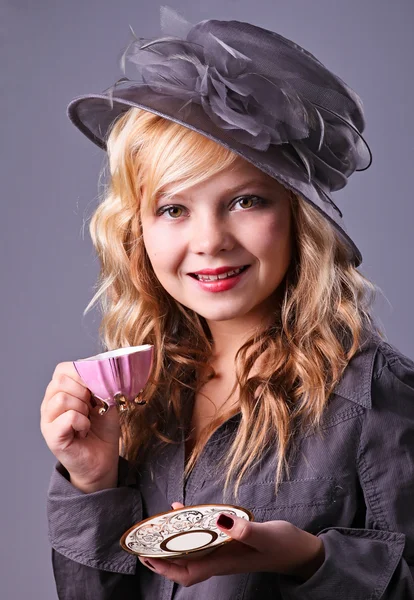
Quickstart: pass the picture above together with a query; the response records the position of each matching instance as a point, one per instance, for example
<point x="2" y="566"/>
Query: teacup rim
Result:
<point x="126" y="351"/>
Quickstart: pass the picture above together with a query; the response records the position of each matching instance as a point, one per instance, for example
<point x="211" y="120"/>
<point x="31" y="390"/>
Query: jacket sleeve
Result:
<point x="375" y="562"/>
<point x="84" y="532"/>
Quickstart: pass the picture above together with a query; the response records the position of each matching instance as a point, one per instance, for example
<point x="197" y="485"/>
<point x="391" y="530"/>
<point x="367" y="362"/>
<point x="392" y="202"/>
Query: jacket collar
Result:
<point x="355" y="384"/>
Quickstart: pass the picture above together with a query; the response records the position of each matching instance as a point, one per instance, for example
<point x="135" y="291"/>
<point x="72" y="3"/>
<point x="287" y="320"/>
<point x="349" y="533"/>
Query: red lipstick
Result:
<point x="219" y="285"/>
<point x="218" y="271"/>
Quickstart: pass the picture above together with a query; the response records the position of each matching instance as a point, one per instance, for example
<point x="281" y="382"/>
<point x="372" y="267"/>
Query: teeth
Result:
<point x="221" y="276"/>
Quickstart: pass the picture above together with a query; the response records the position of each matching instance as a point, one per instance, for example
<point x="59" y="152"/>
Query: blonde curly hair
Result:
<point x="325" y="305"/>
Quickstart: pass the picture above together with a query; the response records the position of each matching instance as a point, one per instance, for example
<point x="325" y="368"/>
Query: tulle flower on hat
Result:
<point x="220" y="79"/>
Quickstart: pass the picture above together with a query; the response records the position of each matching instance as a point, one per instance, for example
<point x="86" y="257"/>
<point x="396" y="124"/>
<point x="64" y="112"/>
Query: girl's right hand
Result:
<point x="84" y="442"/>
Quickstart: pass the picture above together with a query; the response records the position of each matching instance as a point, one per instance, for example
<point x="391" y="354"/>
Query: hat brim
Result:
<point x="94" y="114"/>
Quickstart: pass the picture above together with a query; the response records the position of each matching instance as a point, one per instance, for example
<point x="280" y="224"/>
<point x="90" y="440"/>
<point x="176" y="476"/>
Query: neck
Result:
<point x="229" y="336"/>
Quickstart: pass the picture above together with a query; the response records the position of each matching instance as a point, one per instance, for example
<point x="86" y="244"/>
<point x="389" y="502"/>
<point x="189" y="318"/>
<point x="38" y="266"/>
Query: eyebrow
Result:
<point x="251" y="182"/>
<point x="237" y="188"/>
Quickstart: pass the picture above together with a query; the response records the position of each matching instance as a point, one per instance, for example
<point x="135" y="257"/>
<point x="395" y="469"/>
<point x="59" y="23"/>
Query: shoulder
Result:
<point x="377" y="372"/>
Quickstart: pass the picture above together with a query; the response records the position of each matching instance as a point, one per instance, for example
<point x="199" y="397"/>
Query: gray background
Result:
<point x="54" y="50"/>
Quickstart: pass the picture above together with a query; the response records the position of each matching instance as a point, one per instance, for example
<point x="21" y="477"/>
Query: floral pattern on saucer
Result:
<point x="180" y="531"/>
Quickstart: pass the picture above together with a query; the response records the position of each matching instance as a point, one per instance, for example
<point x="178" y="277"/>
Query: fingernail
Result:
<point x="147" y="562"/>
<point x="225" y="522"/>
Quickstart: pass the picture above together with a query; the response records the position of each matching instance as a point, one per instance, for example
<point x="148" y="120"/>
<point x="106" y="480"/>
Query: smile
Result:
<point x="227" y="275"/>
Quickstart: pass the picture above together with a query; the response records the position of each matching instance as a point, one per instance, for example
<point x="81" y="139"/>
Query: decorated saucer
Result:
<point x="181" y="532"/>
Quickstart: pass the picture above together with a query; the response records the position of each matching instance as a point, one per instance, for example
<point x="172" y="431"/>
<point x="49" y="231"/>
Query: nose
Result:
<point x="211" y="234"/>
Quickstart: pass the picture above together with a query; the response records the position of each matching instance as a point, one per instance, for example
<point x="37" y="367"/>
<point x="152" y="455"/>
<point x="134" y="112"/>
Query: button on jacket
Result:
<point x="352" y="484"/>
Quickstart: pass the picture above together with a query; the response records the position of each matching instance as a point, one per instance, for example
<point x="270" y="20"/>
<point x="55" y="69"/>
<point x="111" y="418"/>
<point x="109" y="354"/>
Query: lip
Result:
<point x="220" y="285"/>
<point x="218" y="271"/>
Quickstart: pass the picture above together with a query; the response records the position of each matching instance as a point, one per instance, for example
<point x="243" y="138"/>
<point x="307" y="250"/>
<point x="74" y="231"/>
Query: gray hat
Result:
<point x="251" y="90"/>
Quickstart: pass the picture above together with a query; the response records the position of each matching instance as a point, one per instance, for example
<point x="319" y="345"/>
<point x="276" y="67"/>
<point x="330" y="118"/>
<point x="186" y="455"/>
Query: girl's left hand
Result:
<point x="275" y="546"/>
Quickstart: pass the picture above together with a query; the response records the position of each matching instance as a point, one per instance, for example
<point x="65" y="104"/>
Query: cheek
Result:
<point x="162" y="249"/>
<point x="272" y="239"/>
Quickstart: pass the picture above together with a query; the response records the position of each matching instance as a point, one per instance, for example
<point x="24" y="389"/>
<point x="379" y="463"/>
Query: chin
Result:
<point x="219" y="318"/>
<point x="221" y="315"/>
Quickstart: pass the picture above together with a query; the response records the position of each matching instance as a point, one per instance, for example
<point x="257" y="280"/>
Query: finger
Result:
<point x="177" y="505"/>
<point x="239" y="559"/>
<point x="64" y="383"/>
<point x="62" y="402"/>
<point x="271" y="546"/>
<point x="67" y="368"/>
<point x="146" y="562"/>
<point x="61" y="432"/>
<point x="231" y="558"/>
<point x="181" y="574"/>
<point x="253" y="534"/>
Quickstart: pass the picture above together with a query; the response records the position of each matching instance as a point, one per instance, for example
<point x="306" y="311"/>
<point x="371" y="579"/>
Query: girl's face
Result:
<point x="237" y="220"/>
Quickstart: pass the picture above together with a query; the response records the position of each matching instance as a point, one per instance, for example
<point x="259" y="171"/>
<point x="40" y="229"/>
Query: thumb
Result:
<point x="242" y="530"/>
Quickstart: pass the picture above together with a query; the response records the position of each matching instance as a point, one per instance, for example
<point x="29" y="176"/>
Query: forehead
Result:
<point x="241" y="175"/>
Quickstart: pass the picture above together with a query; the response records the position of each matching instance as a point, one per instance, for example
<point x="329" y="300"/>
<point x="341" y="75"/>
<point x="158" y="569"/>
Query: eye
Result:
<point x="245" y="202"/>
<point x="174" y="211"/>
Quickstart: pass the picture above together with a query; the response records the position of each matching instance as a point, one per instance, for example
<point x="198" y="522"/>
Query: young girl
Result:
<point x="272" y="387"/>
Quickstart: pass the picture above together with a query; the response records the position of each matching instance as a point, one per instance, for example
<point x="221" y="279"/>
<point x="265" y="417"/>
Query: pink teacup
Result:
<point x="116" y="377"/>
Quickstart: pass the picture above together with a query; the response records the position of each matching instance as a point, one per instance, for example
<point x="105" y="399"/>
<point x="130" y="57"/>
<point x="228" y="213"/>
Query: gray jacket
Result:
<point x="353" y="486"/>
